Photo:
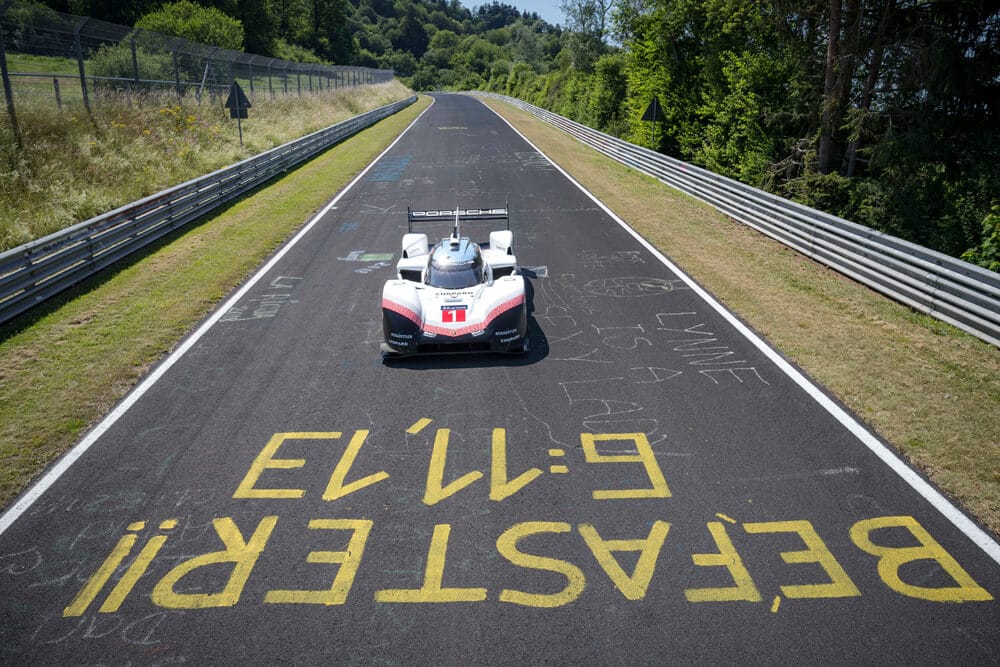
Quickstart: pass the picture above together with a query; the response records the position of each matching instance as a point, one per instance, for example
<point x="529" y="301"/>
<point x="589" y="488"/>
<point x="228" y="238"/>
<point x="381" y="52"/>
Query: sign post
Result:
<point x="237" y="103"/>
<point x="654" y="113"/>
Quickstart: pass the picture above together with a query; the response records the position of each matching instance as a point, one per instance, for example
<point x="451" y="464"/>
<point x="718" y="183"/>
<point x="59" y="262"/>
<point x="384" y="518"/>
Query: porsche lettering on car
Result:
<point x="457" y="295"/>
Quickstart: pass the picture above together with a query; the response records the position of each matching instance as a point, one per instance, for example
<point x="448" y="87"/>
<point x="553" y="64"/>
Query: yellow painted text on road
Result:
<point x="891" y="559"/>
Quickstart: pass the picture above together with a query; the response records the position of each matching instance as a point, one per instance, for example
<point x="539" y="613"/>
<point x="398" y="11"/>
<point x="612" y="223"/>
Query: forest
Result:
<point x="884" y="112"/>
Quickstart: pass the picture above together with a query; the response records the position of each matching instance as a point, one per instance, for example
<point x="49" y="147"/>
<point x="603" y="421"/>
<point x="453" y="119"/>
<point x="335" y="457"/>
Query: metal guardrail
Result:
<point x="36" y="271"/>
<point x="949" y="289"/>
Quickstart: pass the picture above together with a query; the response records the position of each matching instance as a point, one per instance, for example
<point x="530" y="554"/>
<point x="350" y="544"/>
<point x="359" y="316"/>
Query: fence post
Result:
<point x="8" y="92"/>
<point x="213" y="67"/>
<point x="250" y="74"/>
<point x="55" y="85"/>
<point x="135" y="60"/>
<point x="79" y="61"/>
<point x="204" y="76"/>
<point x="270" y="88"/>
<point x="177" y="74"/>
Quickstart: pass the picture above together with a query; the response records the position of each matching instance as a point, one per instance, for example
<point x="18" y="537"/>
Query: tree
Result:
<point x="410" y="35"/>
<point x="291" y="18"/>
<point x="330" y="33"/>
<point x="259" y="26"/>
<point x="113" y="11"/>
<point x="587" y="23"/>
<point x="496" y="15"/>
<point x="604" y="105"/>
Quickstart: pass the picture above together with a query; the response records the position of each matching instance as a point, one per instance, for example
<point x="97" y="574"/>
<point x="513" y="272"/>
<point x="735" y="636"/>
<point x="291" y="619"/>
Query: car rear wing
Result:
<point x="457" y="215"/>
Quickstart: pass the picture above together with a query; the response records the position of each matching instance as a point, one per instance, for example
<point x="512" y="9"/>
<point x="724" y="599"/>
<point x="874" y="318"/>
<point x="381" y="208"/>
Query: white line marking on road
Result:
<point x="63" y="464"/>
<point x="958" y="518"/>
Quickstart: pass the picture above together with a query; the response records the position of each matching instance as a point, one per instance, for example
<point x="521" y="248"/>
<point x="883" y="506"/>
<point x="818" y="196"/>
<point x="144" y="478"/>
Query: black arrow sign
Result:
<point x="237" y="102"/>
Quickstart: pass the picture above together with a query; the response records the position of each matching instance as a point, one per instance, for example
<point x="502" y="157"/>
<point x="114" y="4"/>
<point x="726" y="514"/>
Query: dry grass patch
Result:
<point x="929" y="389"/>
<point x="80" y="355"/>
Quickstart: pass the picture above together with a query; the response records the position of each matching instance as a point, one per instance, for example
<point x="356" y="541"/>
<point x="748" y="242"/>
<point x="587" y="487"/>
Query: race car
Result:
<point x="457" y="296"/>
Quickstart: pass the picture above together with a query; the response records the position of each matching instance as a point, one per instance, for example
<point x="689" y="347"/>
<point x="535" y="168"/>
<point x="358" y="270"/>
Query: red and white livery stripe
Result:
<point x="401" y="310"/>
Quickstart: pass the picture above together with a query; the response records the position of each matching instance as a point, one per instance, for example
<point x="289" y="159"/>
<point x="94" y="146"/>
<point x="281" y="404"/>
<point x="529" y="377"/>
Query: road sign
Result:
<point x="237" y="102"/>
<point x="654" y="111"/>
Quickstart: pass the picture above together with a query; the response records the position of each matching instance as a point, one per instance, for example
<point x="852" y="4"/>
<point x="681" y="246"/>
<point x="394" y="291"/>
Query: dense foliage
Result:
<point x="205" y="25"/>
<point x="881" y="111"/>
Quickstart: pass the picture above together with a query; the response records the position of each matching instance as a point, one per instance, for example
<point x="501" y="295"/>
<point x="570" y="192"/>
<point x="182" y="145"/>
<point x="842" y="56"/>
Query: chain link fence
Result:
<point x="66" y="59"/>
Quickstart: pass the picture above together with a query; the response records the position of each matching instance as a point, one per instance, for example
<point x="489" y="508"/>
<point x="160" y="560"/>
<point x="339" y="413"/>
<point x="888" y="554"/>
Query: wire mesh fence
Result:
<point x="65" y="59"/>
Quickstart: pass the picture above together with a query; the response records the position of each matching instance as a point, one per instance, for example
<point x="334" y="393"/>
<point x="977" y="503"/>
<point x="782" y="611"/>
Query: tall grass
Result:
<point x="71" y="166"/>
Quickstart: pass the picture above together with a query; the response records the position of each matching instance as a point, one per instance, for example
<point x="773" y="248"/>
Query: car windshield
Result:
<point x="454" y="277"/>
<point x="455" y="264"/>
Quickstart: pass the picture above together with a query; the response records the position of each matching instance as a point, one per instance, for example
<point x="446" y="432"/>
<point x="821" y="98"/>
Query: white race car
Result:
<point x="457" y="296"/>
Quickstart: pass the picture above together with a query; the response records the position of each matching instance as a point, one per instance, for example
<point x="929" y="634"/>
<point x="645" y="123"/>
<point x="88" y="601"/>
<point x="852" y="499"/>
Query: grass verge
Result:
<point x="926" y="387"/>
<point x="64" y="365"/>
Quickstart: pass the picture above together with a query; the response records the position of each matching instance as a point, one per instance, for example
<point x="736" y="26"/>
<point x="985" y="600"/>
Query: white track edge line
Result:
<point x="43" y="484"/>
<point x="956" y="516"/>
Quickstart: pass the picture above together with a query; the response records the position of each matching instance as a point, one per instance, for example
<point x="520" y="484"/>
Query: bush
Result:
<point x="205" y="25"/>
<point x="115" y="60"/>
<point x="299" y="54"/>
<point x="987" y="254"/>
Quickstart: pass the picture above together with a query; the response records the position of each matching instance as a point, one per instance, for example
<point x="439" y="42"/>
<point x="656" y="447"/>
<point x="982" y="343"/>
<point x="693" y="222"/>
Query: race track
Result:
<point x="647" y="485"/>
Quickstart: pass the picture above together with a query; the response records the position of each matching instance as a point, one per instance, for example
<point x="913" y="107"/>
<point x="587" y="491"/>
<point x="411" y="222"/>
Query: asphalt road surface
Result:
<point x="647" y="485"/>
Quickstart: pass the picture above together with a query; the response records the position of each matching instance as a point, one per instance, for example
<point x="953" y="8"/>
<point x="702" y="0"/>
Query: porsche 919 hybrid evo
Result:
<point x="457" y="296"/>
